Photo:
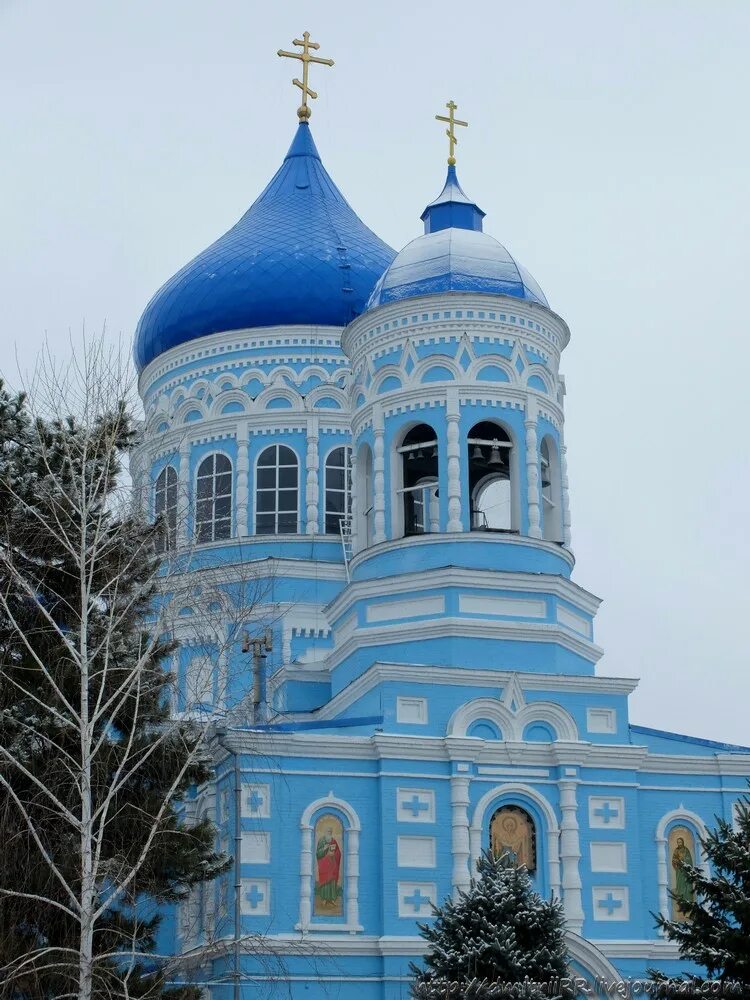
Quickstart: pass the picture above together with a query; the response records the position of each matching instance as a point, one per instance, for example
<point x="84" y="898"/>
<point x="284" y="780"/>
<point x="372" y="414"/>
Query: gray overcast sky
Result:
<point x="608" y="144"/>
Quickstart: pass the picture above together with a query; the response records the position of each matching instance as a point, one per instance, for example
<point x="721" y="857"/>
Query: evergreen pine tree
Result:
<point x="715" y="931"/>
<point x="77" y="583"/>
<point x="500" y="931"/>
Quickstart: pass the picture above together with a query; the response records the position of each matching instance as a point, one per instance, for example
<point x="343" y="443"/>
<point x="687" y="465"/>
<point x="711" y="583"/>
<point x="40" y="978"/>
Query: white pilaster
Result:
<point x="184" y="493"/>
<point x="378" y="466"/>
<point x="313" y="478"/>
<point x="565" y="495"/>
<point x="454" y="461"/>
<point x="532" y="471"/>
<point x="243" y="471"/>
<point x="663" y="876"/>
<point x="460" y="831"/>
<point x="570" y="856"/>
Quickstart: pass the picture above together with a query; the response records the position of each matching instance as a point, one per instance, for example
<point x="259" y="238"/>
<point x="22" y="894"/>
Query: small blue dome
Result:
<point x="454" y="255"/>
<point x="299" y="255"/>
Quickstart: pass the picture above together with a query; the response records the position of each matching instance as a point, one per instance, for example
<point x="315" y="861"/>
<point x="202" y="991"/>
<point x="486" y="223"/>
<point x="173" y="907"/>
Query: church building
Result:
<point x="359" y="458"/>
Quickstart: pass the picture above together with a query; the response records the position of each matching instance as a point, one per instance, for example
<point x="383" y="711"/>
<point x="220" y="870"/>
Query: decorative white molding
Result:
<point x="243" y="469"/>
<point x="312" y="491"/>
<point x="378" y="467"/>
<point x="570" y="855"/>
<point x="416" y="899"/>
<point x="453" y="445"/>
<point x="576" y="622"/>
<point x="601" y="720"/>
<point x="609" y="856"/>
<point x="489" y="604"/>
<point x="512" y="724"/>
<point x="411" y="711"/>
<point x="460" y="839"/>
<point x="552" y="833"/>
<point x="410" y="608"/>
<point x="415" y="805"/>
<point x="351" y="866"/>
<point x="256" y="847"/>
<point x="416" y="852"/>
<point x="611" y="902"/>
<point x="606" y="812"/>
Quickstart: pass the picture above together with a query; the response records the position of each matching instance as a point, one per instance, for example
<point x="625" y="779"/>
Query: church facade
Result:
<point x="359" y="458"/>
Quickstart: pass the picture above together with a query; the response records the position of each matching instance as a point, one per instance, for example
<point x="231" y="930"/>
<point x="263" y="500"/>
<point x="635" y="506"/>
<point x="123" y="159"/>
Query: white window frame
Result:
<point x="213" y="497"/>
<point x="164" y="486"/>
<point x="347" y="491"/>
<point x="276" y="489"/>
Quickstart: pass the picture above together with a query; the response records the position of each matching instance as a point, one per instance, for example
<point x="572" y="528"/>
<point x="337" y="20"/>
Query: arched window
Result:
<point x="338" y="489"/>
<point x="490" y="481"/>
<point x="419" y="465"/>
<point x="551" y="492"/>
<point x="277" y="492"/>
<point x="513" y="834"/>
<point x="165" y="507"/>
<point x="213" y="509"/>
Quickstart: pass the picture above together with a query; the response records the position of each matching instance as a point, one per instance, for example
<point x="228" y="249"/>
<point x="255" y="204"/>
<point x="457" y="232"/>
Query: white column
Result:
<point x="313" y="478"/>
<point x="184" y="494"/>
<point x="454" y="462"/>
<point x="570" y="856"/>
<point x="243" y="470"/>
<point x="663" y="877"/>
<point x="305" y="880"/>
<point x="354" y="520"/>
<point x="532" y="471"/>
<point x="378" y="467"/>
<point x="460" y="831"/>
<point x="565" y="495"/>
<point x="352" y="881"/>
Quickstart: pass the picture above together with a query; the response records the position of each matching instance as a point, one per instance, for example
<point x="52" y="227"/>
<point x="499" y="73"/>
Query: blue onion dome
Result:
<point x="454" y="255"/>
<point x="299" y="255"/>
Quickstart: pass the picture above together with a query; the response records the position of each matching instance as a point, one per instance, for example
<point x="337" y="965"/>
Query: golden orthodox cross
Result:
<point x="304" y="111"/>
<point x="452" y="122"/>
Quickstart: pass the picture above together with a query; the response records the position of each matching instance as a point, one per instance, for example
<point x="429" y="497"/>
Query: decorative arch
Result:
<point x="337" y="471"/>
<point x="227" y="397"/>
<point x="352" y="830"/>
<point x="267" y="399"/>
<point x="679" y="816"/>
<point x="516" y="793"/>
<point x="184" y="409"/>
<point x="482" y="709"/>
<point x="590" y="960"/>
<point x="388" y="381"/>
<point x="322" y="396"/>
<point x="547" y="712"/>
<point x="438" y="373"/>
<point x="493" y="373"/>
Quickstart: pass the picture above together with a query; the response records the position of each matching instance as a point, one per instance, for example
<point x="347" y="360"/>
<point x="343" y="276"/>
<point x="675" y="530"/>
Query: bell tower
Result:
<point x="461" y="519"/>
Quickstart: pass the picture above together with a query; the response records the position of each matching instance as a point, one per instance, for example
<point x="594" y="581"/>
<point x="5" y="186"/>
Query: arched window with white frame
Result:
<point x="213" y="508"/>
<point x="491" y="478"/>
<point x="419" y="481"/>
<point x="551" y="491"/>
<point x="338" y="489"/>
<point x="277" y="492"/>
<point x="165" y="507"/>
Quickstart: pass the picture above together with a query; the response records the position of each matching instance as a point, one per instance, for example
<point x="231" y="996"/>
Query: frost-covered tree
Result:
<point x="92" y="765"/>
<point x="500" y="931"/>
<point x="715" y="929"/>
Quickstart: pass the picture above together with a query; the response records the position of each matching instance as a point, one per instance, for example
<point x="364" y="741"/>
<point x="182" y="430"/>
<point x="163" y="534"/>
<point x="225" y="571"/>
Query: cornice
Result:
<point x="214" y="347"/>
<point x="469" y="537"/>
<point x="474" y="628"/>
<point x="454" y="576"/>
<point x="382" y="673"/>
